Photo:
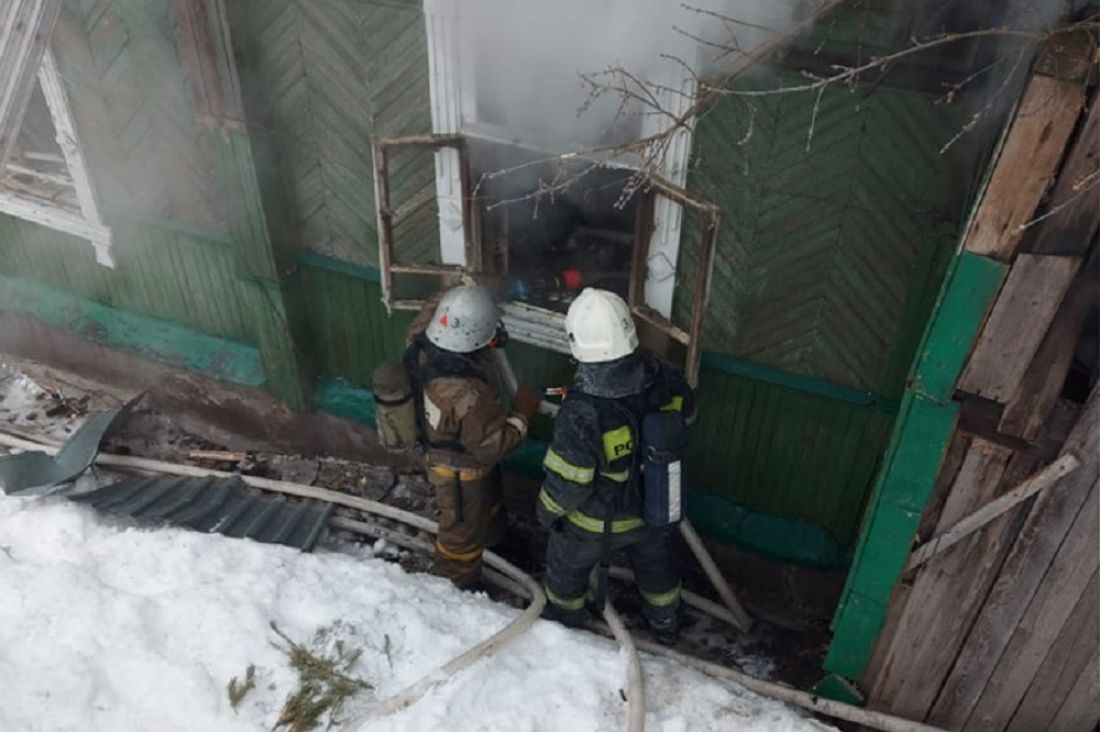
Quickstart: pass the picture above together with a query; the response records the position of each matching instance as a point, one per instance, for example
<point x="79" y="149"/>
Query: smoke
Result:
<point x="527" y="57"/>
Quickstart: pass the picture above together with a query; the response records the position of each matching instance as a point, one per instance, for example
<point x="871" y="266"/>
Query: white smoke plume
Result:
<point x="527" y="55"/>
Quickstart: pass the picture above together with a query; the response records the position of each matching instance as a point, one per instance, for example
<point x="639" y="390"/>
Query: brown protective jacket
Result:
<point x="467" y="410"/>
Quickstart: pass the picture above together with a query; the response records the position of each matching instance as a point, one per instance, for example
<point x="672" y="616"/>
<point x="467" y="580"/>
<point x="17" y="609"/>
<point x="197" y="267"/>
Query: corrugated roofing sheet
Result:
<point x="33" y="473"/>
<point x="213" y="505"/>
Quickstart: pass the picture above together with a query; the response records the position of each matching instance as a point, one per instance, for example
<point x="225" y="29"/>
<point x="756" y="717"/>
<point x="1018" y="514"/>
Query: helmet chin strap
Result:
<point x="500" y="339"/>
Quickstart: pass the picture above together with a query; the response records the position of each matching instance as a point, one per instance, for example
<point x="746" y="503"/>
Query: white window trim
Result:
<point x="87" y="223"/>
<point x="668" y="219"/>
<point x="445" y="94"/>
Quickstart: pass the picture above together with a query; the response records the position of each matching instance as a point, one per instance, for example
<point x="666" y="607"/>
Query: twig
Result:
<point x="1086" y="184"/>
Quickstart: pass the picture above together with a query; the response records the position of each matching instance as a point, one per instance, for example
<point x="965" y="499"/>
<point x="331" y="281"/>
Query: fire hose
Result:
<point x="770" y="689"/>
<point x="522" y="581"/>
<point x="504" y="574"/>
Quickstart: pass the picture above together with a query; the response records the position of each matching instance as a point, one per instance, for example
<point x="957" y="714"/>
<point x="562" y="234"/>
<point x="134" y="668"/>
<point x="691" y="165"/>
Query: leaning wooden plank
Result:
<point x="946" y="594"/>
<point x="1042" y="383"/>
<point x="899" y="598"/>
<point x="1035" y="545"/>
<point x="998" y="689"/>
<point x="1020" y="318"/>
<point x="1071" y="213"/>
<point x="1042" y="480"/>
<point x="25" y="28"/>
<point x="1032" y="150"/>
<point x="1081" y="709"/>
<point x="1067" y="660"/>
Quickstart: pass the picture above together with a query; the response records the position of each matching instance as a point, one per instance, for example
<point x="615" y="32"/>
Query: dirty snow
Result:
<point x="108" y="627"/>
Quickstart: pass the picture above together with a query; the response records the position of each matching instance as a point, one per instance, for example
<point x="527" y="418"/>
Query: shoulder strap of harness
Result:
<point x="439" y="364"/>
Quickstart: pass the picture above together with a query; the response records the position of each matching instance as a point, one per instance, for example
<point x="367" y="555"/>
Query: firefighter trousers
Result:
<point x="572" y="553"/>
<point x="470" y="512"/>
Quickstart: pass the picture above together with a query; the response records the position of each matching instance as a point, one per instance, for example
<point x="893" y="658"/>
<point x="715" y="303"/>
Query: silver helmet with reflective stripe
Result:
<point x="465" y="320"/>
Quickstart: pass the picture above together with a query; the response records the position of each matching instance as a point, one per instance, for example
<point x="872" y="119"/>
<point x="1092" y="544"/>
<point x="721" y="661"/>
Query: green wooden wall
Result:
<point x="160" y="273"/>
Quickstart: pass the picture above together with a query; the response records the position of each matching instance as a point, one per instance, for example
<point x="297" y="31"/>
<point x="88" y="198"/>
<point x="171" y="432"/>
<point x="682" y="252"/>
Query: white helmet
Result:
<point x="465" y="320"/>
<point x="600" y="327"/>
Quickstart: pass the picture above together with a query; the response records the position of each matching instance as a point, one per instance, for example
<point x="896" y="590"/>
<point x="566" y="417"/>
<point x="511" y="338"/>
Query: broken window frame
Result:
<point x="388" y="263"/>
<point x="85" y="223"/>
<point x="531" y="324"/>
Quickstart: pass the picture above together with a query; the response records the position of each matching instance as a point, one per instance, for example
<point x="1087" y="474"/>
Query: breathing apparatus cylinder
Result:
<point x="394" y="407"/>
<point x="664" y="442"/>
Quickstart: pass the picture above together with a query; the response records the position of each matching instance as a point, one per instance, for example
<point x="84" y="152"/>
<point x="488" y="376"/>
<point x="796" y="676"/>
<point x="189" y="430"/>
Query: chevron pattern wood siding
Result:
<point x="332" y="75"/>
<point x="830" y="245"/>
<point x="135" y="111"/>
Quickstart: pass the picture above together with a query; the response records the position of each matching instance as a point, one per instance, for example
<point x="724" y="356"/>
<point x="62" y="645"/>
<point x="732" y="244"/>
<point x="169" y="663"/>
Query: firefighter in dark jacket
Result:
<point x="465" y="430"/>
<point x="592" y="466"/>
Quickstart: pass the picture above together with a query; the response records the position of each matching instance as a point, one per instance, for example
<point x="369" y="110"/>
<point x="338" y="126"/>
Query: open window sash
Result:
<point x="392" y="253"/>
<point x="654" y="328"/>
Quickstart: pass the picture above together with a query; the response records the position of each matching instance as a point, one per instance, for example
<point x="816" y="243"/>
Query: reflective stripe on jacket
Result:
<point x="589" y="464"/>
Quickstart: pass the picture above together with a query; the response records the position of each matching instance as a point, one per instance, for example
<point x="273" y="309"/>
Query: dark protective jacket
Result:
<point x="591" y="467"/>
<point x="463" y="422"/>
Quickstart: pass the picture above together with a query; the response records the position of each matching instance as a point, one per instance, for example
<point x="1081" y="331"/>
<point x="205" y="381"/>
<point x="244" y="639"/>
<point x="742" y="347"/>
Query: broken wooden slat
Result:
<point x="1068" y="658"/>
<point x="1020" y="318"/>
<point x="1032" y="639"/>
<point x="1023" y="172"/>
<point x="25" y="28"/>
<point x="1042" y="480"/>
<point x="1072" y="210"/>
<point x="233" y="456"/>
<point x="69" y="141"/>
<point x="946" y="594"/>
<point x="1045" y="377"/>
<point x="52" y="216"/>
<point x="1070" y="56"/>
<point x="1029" y="557"/>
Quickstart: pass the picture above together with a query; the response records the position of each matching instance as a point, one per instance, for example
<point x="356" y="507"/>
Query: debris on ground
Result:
<point x="410" y="627"/>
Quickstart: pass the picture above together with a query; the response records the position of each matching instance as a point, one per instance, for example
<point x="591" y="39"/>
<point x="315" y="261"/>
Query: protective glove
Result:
<point x="527" y="402"/>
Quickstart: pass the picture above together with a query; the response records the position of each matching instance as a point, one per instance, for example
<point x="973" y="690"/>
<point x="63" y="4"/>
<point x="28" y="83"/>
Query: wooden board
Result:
<point x="1027" y="164"/>
<point x="1072" y="212"/>
<point x="1027" y="563"/>
<point x="1020" y="319"/>
<point x="1067" y="660"/>
<point x="1042" y="383"/>
<point x="991" y="685"/>
<point x="946" y="593"/>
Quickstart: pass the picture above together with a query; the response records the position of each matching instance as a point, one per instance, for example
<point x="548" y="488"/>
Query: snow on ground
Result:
<point x="107" y="627"/>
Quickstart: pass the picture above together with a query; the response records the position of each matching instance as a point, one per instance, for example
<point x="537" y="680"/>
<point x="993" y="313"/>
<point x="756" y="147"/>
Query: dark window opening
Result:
<point x="37" y="167"/>
<point x="546" y="248"/>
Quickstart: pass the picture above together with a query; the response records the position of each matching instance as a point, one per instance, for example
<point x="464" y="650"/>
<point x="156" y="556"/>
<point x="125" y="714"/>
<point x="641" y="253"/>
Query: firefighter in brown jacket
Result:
<point x="464" y="429"/>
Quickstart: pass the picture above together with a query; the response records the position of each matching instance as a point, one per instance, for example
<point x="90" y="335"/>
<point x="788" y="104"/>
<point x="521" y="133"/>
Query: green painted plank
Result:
<point x="799" y="382"/>
<point x="156" y="339"/>
<point x="854" y="635"/>
<point x="320" y="261"/>
<point x="962" y="308"/>
<point x="902" y="490"/>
